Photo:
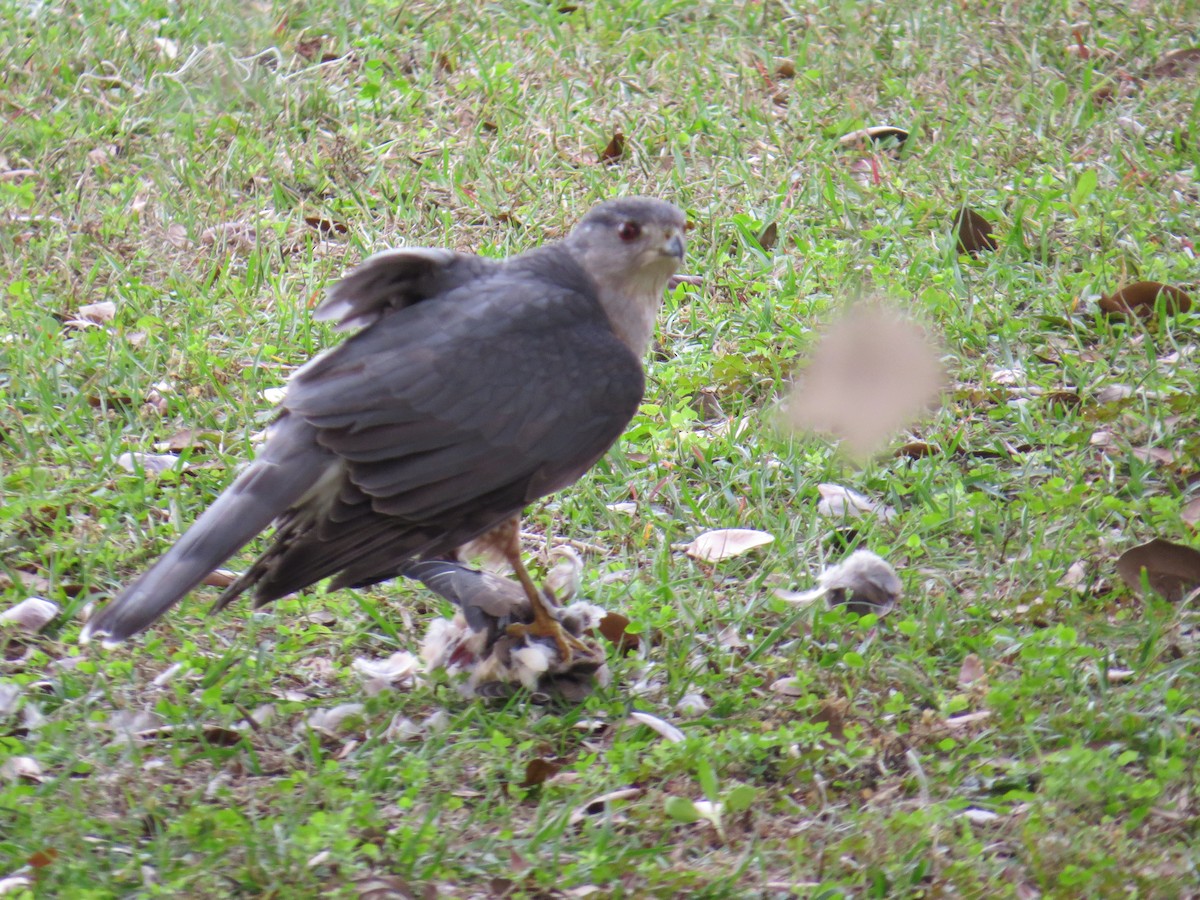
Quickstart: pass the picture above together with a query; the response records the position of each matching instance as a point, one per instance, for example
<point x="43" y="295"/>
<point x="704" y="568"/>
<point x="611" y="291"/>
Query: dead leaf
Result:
<point x="1141" y="299"/>
<point x="768" y="237"/>
<point x="1159" y="456"/>
<point x="185" y="439"/>
<point x="1191" y="513"/>
<point x="882" y="135"/>
<point x="325" y="227"/>
<point x="538" y="769"/>
<point x="915" y="450"/>
<point x="1114" y="393"/>
<point x="707" y="404"/>
<point x="789" y="687"/>
<point x="150" y="463"/>
<point x="974" y="232"/>
<point x="1067" y="399"/>
<point x="1075" y="577"/>
<point x="711" y="546"/>
<point x="96" y="313"/>
<point x="176" y="236"/>
<point x="31" y="615"/>
<point x="613" y="629"/>
<point x="600" y="804"/>
<point x="167" y="47"/>
<point x="14" y="883"/>
<point x="241" y="236"/>
<point x="339" y="718"/>
<point x="970" y="671"/>
<point x="21" y="768"/>
<point x="386" y="887"/>
<point x="839" y="502"/>
<point x="968" y="719"/>
<point x="614" y="150"/>
<point x="691" y="705"/>
<point x="10" y="698"/>
<point x="217" y="735"/>
<point x="1172" y="570"/>
<point x="221" y="578"/>
<point x="1176" y="63"/>
<point x="832" y="714"/>
<point x="665" y="730"/>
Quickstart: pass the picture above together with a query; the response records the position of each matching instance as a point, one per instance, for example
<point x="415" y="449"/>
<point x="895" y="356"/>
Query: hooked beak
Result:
<point x="674" y="246"/>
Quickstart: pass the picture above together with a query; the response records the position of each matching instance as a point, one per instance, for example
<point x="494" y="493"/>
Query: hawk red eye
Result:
<point x="629" y="231"/>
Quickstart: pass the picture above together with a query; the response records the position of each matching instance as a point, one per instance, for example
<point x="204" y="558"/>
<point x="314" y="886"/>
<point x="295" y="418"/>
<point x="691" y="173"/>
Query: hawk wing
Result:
<point x="448" y="417"/>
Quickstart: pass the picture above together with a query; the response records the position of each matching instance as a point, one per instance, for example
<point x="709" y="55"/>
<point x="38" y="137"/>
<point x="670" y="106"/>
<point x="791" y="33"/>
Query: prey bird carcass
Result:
<point x="471" y="388"/>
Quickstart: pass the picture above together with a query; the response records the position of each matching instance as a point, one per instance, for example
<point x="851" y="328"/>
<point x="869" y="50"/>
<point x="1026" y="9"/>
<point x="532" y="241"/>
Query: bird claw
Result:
<point x="551" y="629"/>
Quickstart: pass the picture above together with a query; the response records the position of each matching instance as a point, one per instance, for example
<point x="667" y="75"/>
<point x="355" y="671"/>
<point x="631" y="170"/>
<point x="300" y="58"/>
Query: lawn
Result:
<point x="1023" y="724"/>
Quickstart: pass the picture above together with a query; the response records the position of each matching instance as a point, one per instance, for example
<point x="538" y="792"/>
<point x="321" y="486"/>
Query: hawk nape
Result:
<point x="472" y="388"/>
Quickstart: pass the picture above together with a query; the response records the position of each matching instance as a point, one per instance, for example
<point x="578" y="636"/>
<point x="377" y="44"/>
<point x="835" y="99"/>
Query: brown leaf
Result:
<point x="768" y="237"/>
<point x="970" y="671"/>
<point x="974" y="232"/>
<point x="915" y="450"/>
<point x="1176" y="63"/>
<point x="185" y="439"/>
<point x="386" y="887"/>
<point x="221" y="578"/>
<point x="877" y="134"/>
<point x="326" y="227"/>
<point x="612" y="628"/>
<point x="1140" y="300"/>
<point x="1159" y="456"/>
<point x="217" y="735"/>
<point x="310" y="48"/>
<point x="537" y="770"/>
<point x="1191" y="513"/>
<point x="615" y="149"/>
<point x="39" y="859"/>
<point x="831" y="713"/>
<point x="1172" y="570"/>
<point x="1066" y="399"/>
<point x="240" y="236"/>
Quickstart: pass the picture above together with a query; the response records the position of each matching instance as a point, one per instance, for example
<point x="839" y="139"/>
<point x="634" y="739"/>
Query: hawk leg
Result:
<point x="506" y="538"/>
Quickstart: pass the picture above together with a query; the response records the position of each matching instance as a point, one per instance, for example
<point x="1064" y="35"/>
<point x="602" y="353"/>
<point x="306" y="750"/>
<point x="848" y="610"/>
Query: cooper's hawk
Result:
<point x="473" y="387"/>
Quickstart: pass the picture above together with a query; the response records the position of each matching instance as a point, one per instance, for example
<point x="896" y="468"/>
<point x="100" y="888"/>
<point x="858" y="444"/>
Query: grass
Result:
<point x="179" y="160"/>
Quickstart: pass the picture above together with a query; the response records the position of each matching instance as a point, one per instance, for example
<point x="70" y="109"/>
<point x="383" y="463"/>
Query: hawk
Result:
<point x="470" y="388"/>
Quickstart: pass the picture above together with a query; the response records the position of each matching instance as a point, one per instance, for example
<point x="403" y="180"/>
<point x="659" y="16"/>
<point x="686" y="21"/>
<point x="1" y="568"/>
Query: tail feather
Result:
<point x="290" y="466"/>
